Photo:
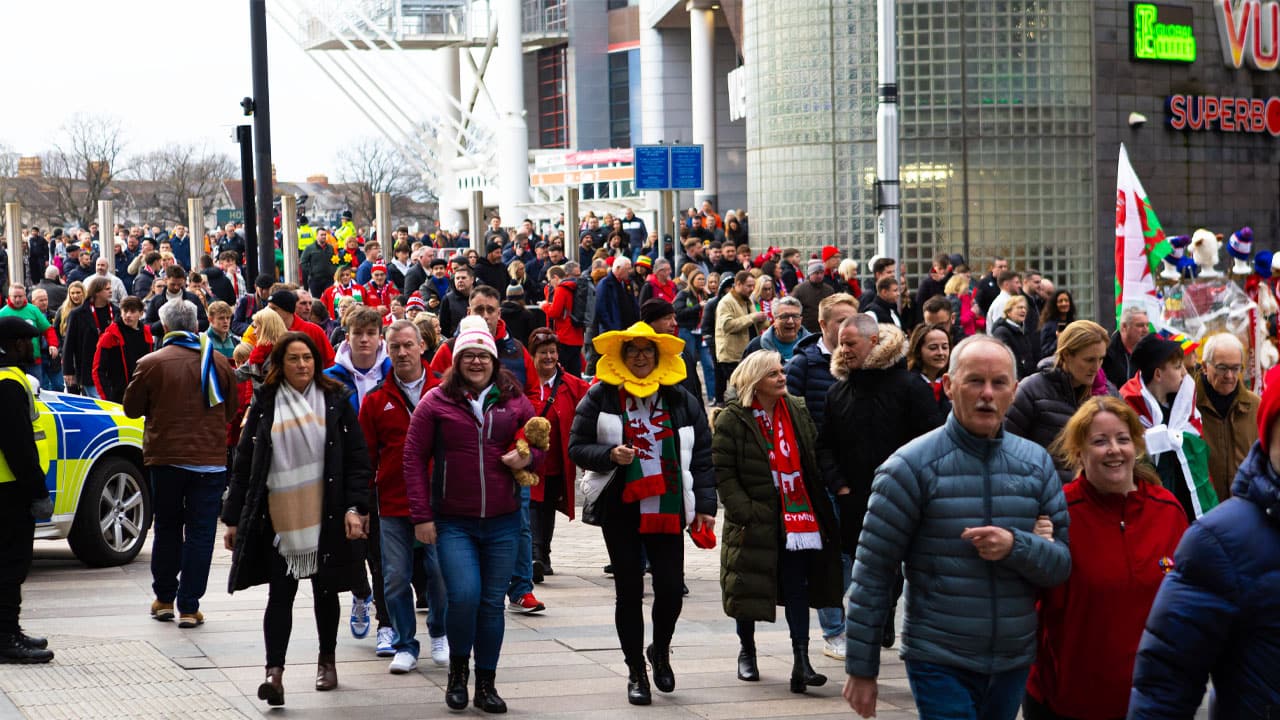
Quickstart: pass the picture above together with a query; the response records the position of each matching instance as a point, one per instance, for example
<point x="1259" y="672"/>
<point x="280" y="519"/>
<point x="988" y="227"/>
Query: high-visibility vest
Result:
<point x="306" y="236"/>
<point x="44" y="438"/>
<point x="346" y="230"/>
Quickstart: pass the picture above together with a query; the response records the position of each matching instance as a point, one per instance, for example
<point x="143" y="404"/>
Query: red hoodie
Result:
<point x="558" y="311"/>
<point x="1090" y="625"/>
<point x="384" y="418"/>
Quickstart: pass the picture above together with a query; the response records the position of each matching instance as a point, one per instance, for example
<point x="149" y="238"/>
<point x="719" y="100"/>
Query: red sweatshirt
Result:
<point x="1090" y="625"/>
<point x="384" y="418"/>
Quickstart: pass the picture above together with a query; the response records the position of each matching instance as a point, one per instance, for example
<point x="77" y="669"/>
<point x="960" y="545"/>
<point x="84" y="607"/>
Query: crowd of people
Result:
<point x="406" y="428"/>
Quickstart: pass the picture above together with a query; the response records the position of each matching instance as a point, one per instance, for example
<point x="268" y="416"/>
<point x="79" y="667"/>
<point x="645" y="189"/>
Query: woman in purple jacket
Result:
<point x="463" y="496"/>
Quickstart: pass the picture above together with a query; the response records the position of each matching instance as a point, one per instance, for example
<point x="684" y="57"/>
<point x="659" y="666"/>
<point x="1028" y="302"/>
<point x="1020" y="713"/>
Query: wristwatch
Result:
<point x="352" y="510"/>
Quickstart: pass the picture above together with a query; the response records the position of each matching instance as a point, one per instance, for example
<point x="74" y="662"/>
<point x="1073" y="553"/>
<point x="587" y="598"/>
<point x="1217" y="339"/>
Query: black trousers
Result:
<point x="570" y="359"/>
<point x="542" y="518"/>
<point x="793" y="579"/>
<point x="723" y="371"/>
<point x="1033" y="709"/>
<point x="624" y="541"/>
<point x="277" y="621"/>
<point x="17" y="533"/>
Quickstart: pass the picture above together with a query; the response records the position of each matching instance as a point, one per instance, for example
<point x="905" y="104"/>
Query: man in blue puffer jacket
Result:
<point x="1217" y="615"/>
<point x="960" y="506"/>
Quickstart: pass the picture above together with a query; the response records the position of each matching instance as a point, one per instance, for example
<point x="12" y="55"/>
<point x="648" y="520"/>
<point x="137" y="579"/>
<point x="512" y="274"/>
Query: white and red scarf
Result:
<point x="798" y="519"/>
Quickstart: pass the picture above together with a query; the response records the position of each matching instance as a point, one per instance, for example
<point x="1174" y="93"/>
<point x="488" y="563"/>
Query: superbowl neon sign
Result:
<point x="1250" y="32"/>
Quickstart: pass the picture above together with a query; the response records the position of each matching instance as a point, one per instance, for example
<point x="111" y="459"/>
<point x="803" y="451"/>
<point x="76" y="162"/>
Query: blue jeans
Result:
<point x="522" y="575"/>
<point x="52" y="380"/>
<point x="397" y="579"/>
<point x="185" y="506"/>
<point x="91" y="391"/>
<point x="477" y="556"/>
<point x="949" y="693"/>
<point x="708" y="367"/>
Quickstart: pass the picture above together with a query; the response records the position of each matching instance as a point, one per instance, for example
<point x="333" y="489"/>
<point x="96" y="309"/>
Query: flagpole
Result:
<point x="888" y="240"/>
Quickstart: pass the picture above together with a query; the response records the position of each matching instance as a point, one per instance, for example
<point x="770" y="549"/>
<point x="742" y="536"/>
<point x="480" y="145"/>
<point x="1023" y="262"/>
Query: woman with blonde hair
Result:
<point x="780" y="542"/>
<point x="847" y="270"/>
<point x="75" y="298"/>
<point x="1124" y="529"/>
<point x="963" y="304"/>
<point x="267" y="329"/>
<point x="763" y="295"/>
<point x="1046" y="400"/>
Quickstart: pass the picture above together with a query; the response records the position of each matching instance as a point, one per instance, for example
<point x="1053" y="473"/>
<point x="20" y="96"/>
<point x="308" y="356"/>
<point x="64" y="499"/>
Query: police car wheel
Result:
<point x="114" y="515"/>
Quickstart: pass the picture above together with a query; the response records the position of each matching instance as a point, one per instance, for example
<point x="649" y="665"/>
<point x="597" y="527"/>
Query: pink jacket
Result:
<point x="453" y="461"/>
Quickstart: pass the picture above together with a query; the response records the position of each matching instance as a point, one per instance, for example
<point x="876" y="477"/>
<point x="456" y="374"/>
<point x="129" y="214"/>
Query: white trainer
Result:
<point x="440" y="650"/>
<point x="404" y="662"/>
<point x="386" y="642"/>
<point x="833" y="647"/>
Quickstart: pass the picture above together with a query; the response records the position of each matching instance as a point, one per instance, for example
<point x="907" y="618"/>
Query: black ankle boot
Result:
<point x="486" y="695"/>
<point x="663" y="678"/>
<point x="455" y="693"/>
<point x="802" y="673"/>
<point x="31" y="641"/>
<point x="747" y="668"/>
<point x="638" y="685"/>
<point x="14" y="651"/>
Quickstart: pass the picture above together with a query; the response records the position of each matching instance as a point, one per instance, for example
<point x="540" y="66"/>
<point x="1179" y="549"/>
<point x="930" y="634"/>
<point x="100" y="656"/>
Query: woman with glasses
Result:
<point x="645" y="448"/>
<point x="1228" y="409"/>
<point x="458" y="463"/>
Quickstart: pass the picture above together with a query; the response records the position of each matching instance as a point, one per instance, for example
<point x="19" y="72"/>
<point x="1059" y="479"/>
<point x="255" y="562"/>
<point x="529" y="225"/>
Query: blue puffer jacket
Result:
<point x="809" y="377"/>
<point x="1217" y="615"/>
<point x="961" y="611"/>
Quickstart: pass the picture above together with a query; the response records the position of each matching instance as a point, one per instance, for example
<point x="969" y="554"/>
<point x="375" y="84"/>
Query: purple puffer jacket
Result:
<point x="466" y="475"/>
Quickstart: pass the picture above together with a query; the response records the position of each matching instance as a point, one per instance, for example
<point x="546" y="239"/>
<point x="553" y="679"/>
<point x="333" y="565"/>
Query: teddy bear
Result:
<point x="536" y="433"/>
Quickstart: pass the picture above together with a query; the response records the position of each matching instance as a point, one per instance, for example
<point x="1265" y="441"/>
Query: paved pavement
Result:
<point x="114" y="661"/>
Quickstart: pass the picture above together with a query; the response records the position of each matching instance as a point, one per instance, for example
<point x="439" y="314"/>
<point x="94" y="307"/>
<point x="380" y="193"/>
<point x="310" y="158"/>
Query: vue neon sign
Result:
<point x="1250" y="33"/>
<point x="1162" y="33"/>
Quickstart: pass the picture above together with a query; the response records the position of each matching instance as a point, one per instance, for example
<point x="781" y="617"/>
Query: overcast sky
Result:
<point x="171" y="71"/>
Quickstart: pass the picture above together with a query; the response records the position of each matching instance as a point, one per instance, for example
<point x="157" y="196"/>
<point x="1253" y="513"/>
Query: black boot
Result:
<point x="14" y="651"/>
<point x="638" y="685"/>
<point x="747" y="668"/>
<point x="802" y="673"/>
<point x="486" y="695"/>
<point x="31" y="641"/>
<point x="663" y="678"/>
<point x="455" y="693"/>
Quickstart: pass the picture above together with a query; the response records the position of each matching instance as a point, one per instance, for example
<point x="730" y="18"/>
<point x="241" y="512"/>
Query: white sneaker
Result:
<point x="386" y="642"/>
<point x="404" y="662"/>
<point x="360" y="617"/>
<point x="833" y="647"/>
<point x="440" y="650"/>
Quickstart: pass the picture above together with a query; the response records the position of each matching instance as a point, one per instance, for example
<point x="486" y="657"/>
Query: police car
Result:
<point x="92" y="457"/>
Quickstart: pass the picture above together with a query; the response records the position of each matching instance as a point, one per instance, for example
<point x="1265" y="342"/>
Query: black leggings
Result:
<point x="277" y="621"/>
<point x="793" y="579"/>
<point x="623" y="540"/>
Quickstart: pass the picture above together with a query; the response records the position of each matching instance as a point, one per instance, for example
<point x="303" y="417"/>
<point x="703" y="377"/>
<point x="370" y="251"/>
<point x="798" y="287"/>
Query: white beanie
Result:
<point x="473" y="332"/>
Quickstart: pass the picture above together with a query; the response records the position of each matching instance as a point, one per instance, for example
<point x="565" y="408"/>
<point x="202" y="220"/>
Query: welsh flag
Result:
<point x="1140" y="243"/>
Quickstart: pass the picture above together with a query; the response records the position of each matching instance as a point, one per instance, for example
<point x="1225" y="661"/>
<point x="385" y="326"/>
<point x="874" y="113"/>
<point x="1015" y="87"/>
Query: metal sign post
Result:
<point x="13" y="231"/>
<point x="195" y="218"/>
<point x="107" y="233"/>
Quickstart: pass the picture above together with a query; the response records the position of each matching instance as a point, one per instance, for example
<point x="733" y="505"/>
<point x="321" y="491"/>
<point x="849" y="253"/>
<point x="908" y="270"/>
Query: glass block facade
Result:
<point x="996" y="134"/>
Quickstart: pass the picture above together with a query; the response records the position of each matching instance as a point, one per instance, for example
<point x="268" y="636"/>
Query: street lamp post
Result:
<point x="262" y="134"/>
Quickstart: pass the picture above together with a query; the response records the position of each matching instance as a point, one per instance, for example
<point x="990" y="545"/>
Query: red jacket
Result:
<point x="558" y="311"/>
<point x="384" y="418"/>
<point x="105" y="380"/>
<point x="1090" y="625"/>
<point x="375" y="297"/>
<point x="317" y="336"/>
<point x="570" y="392"/>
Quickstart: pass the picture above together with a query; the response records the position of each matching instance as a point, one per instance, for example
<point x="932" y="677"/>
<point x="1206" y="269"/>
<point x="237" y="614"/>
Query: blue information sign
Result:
<point x="686" y="167"/>
<point x="653" y="167"/>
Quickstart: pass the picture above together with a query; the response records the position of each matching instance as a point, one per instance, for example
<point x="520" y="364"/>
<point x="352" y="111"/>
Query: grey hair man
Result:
<point x="1118" y="364"/>
<point x="784" y="333"/>
<point x="959" y="505"/>
<point x="1228" y="409"/>
<point x="186" y="393"/>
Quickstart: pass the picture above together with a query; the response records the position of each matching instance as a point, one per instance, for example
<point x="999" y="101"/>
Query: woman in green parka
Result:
<point x="780" y="543"/>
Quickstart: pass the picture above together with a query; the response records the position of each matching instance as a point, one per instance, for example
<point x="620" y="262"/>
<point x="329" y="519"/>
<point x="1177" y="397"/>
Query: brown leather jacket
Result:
<point x="1229" y="438"/>
<point x="179" y="429"/>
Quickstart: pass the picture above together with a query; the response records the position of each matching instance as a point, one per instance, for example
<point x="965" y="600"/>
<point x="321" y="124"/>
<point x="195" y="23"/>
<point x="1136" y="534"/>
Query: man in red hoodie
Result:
<point x="384" y="418"/>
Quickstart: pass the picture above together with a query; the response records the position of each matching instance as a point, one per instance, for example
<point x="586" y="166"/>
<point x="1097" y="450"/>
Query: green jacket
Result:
<point x="753" y="533"/>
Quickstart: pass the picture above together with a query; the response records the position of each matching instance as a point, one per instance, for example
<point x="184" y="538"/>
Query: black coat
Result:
<point x="453" y="308"/>
<point x="347" y="471"/>
<point x="1117" y="365"/>
<point x="162" y="297"/>
<point x="492" y="274"/>
<point x="869" y="415"/>
<point x="1042" y="407"/>
<point x="220" y="285"/>
<point x="414" y="280"/>
<point x="83" y="331"/>
<point x="809" y="377"/>
<point x="1020" y="342"/>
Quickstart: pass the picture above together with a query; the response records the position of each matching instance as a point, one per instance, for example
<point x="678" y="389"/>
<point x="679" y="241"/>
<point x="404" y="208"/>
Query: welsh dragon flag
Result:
<point x="1140" y="243"/>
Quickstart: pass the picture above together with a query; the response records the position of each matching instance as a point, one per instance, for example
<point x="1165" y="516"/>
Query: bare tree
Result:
<point x="178" y="172"/>
<point x="376" y="166"/>
<point x="8" y="173"/>
<point x="82" y="163"/>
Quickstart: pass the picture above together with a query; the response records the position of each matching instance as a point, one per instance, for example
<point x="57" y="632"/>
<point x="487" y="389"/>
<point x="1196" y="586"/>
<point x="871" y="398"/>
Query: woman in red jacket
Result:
<point x="1124" y="529"/>
<point x="556" y="398"/>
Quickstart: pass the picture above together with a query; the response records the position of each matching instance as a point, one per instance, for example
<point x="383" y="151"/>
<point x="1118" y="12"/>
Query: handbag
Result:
<point x="596" y="504"/>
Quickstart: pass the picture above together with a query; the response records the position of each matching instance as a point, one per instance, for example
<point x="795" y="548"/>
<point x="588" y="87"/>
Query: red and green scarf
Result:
<point x="653" y="477"/>
<point x="798" y="519"/>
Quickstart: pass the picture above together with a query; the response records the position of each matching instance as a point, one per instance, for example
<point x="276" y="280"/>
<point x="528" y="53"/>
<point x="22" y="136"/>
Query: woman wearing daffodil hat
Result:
<point x="645" y="447"/>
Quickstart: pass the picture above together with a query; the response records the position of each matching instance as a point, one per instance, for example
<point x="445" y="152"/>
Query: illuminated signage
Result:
<point x="1200" y="113"/>
<point x="1162" y="33"/>
<point x="1250" y="32"/>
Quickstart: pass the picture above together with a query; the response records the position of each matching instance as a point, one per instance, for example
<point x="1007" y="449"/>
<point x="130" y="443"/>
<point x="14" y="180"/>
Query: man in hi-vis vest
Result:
<point x="23" y="495"/>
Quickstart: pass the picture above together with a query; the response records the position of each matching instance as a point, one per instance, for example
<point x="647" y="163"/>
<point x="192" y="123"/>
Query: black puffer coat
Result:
<point x="871" y="412"/>
<point x="1016" y="338"/>
<point x="1042" y="407"/>
<point x="753" y="536"/>
<point x="347" y="471"/>
<point x="809" y="377"/>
